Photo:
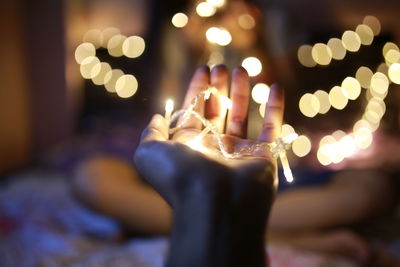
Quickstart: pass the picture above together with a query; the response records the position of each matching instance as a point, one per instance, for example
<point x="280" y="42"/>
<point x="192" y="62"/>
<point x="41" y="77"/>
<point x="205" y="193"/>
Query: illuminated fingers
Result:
<point x="240" y="91"/>
<point x="273" y="115"/>
<point x="157" y="130"/>
<point x="199" y="82"/>
<point x="215" y="110"/>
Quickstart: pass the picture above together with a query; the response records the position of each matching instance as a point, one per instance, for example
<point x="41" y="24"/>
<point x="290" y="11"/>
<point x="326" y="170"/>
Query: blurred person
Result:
<point x="316" y="218"/>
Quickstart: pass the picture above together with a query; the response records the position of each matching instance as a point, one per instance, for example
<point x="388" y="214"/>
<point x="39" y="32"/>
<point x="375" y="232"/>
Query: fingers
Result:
<point x="157" y="130"/>
<point x="273" y="115"/>
<point x="215" y="112"/>
<point x="240" y="91"/>
<point x="199" y="82"/>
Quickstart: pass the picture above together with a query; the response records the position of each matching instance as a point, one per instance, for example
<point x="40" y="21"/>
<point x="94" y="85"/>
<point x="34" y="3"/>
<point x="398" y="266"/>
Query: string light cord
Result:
<point x="277" y="148"/>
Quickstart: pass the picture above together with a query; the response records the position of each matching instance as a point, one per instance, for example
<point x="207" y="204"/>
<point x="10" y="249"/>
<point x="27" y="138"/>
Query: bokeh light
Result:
<point x="337" y="48"/>
<point x="94" y="36"/>
<point x="301" y="146"/>
<point x="304" y="56"/>
<point x="286" y="130"/>
<point x="337" y="98"/>
<point x="111" y="79"/>
<point x="379" y="84"/>
<point x="180" y="20"/>
<point x="321" y="54"/>
<point x="205" y="9"/>
<point x="389" y="46"/>
<point x="323" y="98"/>
<point x="220" y="36"/>
<point x="351" y="88"/>
<point x="87" y="66"/>
<point x="246" y="21"/>
<point x="363" y="76"/>
<point x="83" y="51"/>
<point x="309" y="105"/>
<point x="216" y="3"/>
<point x="115" y="44"/>
<point x="392" y="56"/>
<point x="260" y="93"/>
<point x="133" y="46"/>
<point x="99" y="72"/>
<point x="108" y="33"/>
<point x="394" y="73"/>
<point x="252" y="65"/>
<point x="351" y="41"/>
<point x="126" y="86"/>
<point x="365" y="33"/>
<point x="363" y="137"/>
<point x="373" y="23"/>
<point x="347" y="146"/>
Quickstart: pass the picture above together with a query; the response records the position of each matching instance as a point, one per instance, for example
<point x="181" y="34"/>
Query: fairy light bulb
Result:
<point x="169" y="107"/>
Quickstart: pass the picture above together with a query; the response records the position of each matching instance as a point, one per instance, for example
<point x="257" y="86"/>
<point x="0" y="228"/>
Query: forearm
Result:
<point x="209" y="231"/>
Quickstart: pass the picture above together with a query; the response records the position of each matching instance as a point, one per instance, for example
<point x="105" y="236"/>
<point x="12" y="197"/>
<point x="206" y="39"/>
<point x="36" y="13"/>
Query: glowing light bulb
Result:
<point x="133" y="46"/>
<point x="301" y="146"/>
<point x="226" y="102"/>
<point x="260" y="93"/>
<point x="351" y="41"/>
<point x="169" y="107"/>
<point x="205" y="9"/>
<point x="126" y="86"/>
<point x="286" y="167"/>
<point x="252" y="65"/>
<point x="84" y="51"/>
<point x="180" y="20"/>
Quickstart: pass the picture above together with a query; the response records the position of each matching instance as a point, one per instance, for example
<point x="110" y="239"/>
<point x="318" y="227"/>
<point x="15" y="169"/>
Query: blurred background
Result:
<point x="46" y="102"/>
<point x="84" y="76"/>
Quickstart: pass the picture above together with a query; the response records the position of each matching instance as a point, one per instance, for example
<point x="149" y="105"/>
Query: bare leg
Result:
<point x="112" y="186"/>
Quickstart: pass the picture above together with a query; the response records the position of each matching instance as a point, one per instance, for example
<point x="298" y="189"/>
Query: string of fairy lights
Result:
<point x="101" y="73"/>
<point x="332" y="148"/>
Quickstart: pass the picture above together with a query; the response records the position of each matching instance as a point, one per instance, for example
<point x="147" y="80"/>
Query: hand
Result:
<point x="169" y="165"/>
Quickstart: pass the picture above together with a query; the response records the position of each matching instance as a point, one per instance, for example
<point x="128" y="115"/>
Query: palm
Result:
<point x="162" y="160"/>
